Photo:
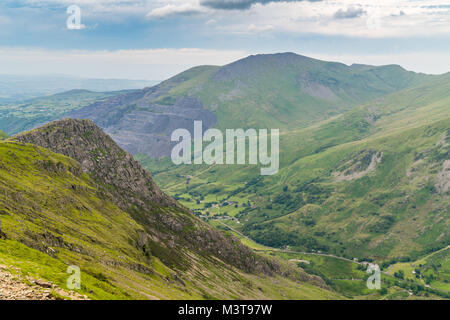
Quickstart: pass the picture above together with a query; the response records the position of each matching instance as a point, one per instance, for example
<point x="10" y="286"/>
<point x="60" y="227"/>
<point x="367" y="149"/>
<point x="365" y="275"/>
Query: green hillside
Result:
<point x="130" y="242"/>
<point x="370" y="183"/>
<point x="364" y="177"/>
<point x="285" y="91"/>
<point x="349" y="277"/>
<point x="431" y="270"/>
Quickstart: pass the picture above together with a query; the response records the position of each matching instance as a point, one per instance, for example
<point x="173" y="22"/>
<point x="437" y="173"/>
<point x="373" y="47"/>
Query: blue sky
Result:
<point x="154" y="39"/>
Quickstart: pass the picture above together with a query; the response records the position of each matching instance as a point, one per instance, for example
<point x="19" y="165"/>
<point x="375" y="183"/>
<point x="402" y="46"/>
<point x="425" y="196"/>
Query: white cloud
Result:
<point x="260" y="28"/>
<point x="394" y="18"/>
<point x="398" y="18"/>
<point x="171" y="10"/>
<point x="210" y="22"/>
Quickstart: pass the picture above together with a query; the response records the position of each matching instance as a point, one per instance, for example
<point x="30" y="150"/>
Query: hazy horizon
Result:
<point x="174" y="70"/>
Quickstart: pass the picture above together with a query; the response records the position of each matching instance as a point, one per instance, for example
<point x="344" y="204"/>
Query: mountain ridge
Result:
<point x="282" y="90"/>
<point x="307" y="201"/>
<point x="98" y="154"/>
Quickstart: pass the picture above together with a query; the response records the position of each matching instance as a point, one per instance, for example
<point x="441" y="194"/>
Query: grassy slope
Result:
<point x="53" y="217"/>
<point x="270" y="91"/>
<point x="352" y="215"/>
<point x="386" y="213"/>
<point x="17" y="118"/>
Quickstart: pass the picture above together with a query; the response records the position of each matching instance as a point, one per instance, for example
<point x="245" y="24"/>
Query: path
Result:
<point x="195" y="176"/>
<point x="15" y="287"/>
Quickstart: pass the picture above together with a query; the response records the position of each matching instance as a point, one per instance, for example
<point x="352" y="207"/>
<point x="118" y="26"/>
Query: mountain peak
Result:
<point x="279" y="55"/>
<point x="255" y="66"/>
<point x="101" y="157"/>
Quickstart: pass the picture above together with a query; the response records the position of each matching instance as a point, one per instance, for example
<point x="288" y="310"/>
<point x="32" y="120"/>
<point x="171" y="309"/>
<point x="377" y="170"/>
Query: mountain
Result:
<point x="339" y="124"/>
<point x="69" y="196"/>
<point x="150" y="114"/>
<point x="363" y="153"/>
<point x="283" y="91"/>
<point x="3" y="135"/>
<point x="31" y="113"/>
<point x="371" y="183"/>
<point x="364" y="177"/>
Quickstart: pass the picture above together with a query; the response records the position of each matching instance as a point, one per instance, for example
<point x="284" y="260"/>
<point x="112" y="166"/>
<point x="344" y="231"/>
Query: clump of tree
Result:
<point x="399" y="274"/>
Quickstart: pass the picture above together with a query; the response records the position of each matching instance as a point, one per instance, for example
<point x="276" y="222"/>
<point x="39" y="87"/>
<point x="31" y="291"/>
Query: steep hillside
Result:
<point x="371" y="183"/>
<point x="102" y="212"/>
<point x="376" y="198"/>
<point x="263" y="91"/>
<point x="120" y="175"/>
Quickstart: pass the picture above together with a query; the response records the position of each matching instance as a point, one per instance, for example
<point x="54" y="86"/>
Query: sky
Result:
<point x="156" y="39"/>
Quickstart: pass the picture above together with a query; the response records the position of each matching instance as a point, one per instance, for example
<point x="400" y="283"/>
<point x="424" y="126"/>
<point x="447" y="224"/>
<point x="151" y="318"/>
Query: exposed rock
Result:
<point x="139" y="124"/>
<point x="315" y="88"/>
<point x="16" y="287"/>
<point x="443" y="178"/>
<point x="358" y="166"/>
<point x="101" y="157"/>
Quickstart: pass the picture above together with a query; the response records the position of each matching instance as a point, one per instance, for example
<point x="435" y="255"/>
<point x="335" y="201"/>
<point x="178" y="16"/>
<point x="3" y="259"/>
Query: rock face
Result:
<point x="360" y="165"/>
<point x="139" y="124"/>
<point x="172" y="233"/>
<point x="443" y="178"/>
<point x="101" y="157"/>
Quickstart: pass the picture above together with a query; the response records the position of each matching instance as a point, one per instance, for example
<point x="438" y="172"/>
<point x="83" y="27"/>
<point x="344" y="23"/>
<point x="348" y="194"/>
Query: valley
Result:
<point x="342" y="182"/>
<point x="363" y="178"/>
<point x="130" y="240"/>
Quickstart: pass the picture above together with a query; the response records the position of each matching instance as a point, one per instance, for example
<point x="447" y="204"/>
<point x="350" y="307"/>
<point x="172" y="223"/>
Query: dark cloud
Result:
<point x="241" y="4"/>
<point x="350" y="13"/>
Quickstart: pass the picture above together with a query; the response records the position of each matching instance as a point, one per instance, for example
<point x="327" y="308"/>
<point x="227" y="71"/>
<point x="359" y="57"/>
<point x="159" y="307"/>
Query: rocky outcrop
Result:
<point x="121" y="176"/>
<point x="443" y="178"/>
<point x="358" y="166"/>
<point x="16" y="287"/>
<point x="141" y="124"/>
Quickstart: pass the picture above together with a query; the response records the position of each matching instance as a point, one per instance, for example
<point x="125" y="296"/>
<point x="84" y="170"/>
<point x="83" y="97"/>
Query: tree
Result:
<point x="399" y="274"/>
